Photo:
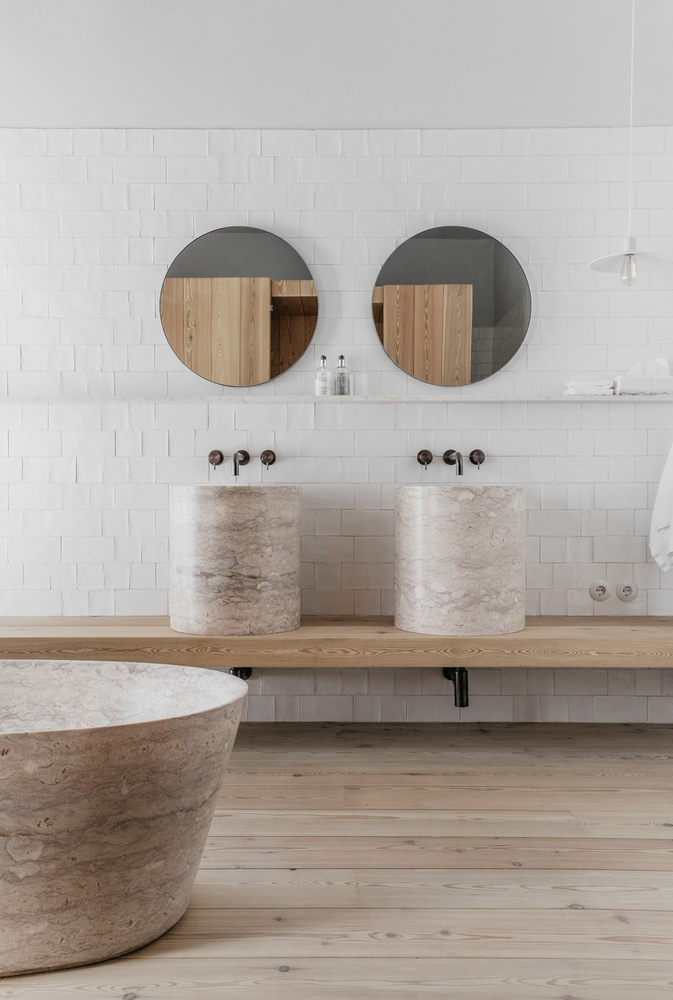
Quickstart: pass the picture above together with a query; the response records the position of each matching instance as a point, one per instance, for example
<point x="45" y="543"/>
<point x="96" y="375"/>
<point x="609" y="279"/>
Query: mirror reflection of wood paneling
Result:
<point x="427" y="330"/>
<point x="219" y="327"/>
<point x="185" y="309"/>
<point x="225" y="316"/>
<point x="377" y="310"/>
<point x="293" y="321"/>
<point x="197" y="315"/>
<point x="225" y="331"/>
<point x="255" y="330"/>
<point x="398" y="320"/>
<point x="457" y="335"/>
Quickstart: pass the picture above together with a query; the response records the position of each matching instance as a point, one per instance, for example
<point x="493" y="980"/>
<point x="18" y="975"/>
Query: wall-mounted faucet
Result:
<point x="241" y="457"/>
<point x="452" y="457"/>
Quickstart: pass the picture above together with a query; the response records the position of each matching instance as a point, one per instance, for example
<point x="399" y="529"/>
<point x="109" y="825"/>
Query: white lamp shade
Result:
<point x="645" y="260"/>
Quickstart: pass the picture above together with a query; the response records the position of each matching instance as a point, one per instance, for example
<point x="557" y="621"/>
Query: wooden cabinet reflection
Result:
<point x="427" y="330"/>
<point x="238" y="331"/>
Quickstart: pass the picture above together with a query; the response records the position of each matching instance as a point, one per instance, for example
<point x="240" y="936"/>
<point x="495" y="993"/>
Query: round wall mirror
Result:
<point x="451" y="306"/>
<point x="239" y="306"/>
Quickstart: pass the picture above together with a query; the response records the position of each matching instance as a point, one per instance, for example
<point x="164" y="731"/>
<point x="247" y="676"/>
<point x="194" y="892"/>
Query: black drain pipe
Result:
<point x="458" y="677"/>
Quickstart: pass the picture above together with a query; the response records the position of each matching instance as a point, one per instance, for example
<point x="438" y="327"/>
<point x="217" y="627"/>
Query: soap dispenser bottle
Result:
<point x="323" y="379"/>
<point x="342" y="378"/>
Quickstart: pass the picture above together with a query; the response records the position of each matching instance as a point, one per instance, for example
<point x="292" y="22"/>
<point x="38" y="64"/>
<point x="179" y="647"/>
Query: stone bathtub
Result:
<point x="109" y="774"/>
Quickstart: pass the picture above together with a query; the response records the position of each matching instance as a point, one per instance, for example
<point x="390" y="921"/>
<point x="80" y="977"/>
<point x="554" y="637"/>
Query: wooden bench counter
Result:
<point x="346" y="642"/>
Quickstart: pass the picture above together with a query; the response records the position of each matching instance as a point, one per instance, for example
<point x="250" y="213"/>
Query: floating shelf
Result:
<point x="353" y="400"/>
<point x="346" y="642"/>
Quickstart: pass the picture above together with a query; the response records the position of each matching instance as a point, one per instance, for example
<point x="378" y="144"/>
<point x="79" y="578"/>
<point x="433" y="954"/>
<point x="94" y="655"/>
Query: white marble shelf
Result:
<point x="321" y="400"/>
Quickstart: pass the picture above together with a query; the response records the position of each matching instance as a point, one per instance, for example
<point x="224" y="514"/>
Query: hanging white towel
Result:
<point x="661" y="532"/>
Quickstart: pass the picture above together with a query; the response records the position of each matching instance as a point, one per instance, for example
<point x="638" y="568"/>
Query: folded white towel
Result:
<point x="588" y="390"/>
<point x="598" y="384"/>
<point x="643" y="385"/>
<point x="661" y="535"/>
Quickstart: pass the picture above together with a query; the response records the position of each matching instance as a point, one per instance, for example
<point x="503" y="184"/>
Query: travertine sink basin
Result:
<point x="234" y="559"/>
<point x="459" y="559"/>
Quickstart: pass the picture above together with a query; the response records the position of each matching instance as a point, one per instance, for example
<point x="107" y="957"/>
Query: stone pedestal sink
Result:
<point x="459" y="559"/>
<point x="234" y="559"/>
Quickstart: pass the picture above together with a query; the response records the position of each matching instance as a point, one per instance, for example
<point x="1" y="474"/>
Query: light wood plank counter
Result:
<point x="346" y="642"/>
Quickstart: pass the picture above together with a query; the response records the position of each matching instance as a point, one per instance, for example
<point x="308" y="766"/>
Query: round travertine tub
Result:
<point x="109" y="774"/>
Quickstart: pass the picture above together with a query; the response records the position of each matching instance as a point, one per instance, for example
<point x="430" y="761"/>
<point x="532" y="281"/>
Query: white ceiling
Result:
<point x="332" y="63"/>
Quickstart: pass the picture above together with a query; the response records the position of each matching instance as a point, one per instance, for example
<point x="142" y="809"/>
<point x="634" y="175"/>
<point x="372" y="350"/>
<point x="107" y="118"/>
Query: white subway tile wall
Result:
<point x="86" y="509"/>
<point x="99" y="417"/>
<point x="91" y="219"/>
<point x="423" y="695"/>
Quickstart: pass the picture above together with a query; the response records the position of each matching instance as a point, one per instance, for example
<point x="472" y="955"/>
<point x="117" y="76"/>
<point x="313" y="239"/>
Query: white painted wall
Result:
<point x="332" y="63"/>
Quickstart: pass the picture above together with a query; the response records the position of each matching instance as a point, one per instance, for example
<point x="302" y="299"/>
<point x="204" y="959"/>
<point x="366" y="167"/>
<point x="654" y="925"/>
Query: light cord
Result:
<point x="633" y="35"/>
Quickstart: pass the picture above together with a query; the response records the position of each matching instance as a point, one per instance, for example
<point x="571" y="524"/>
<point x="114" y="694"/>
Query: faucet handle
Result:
<point x="477" y="457"/>
<point x="424" y="458"/>
<point x="215" y="458"/>
<point x="267" y="457"/>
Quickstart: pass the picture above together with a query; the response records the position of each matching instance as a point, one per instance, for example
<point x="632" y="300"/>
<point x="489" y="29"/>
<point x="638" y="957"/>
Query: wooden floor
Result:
<point x="468" y="862"/>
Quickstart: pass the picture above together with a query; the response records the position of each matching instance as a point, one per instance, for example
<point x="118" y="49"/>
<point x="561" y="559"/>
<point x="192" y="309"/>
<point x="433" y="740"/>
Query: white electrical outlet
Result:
<point x="626" y="591"/>
<point x="599" y="590"/>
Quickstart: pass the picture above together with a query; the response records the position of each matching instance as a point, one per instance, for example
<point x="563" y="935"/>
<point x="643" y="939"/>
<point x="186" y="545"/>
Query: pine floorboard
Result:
<point x="463" y="861"/>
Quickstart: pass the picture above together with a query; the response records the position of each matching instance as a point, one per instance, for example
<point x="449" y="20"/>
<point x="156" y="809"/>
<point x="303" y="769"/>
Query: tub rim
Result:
<point x="236" y="681"/>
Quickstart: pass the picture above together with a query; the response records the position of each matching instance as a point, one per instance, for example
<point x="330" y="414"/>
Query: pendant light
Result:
<point x="631" y="260"/>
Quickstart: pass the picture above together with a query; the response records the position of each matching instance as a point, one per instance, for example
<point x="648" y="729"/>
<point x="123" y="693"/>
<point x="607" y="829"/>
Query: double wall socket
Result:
<point x="625" y="591"/>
